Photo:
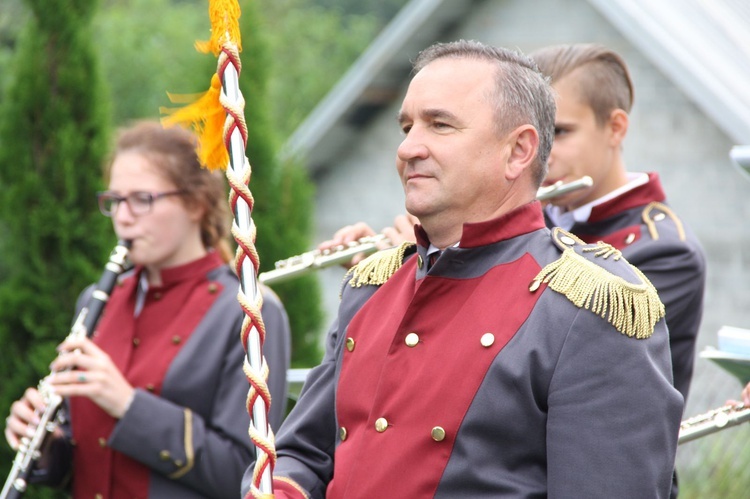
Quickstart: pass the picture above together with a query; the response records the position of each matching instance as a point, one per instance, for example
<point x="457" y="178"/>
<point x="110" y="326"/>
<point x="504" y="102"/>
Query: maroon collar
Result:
<point x="640" y="196"/>
<point x="191" y="270"/>
<point x="522" y="220"/>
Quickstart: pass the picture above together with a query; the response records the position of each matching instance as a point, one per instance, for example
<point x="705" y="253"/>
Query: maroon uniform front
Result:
<point x="184" y="435"/>
<point x="476" y="378"/>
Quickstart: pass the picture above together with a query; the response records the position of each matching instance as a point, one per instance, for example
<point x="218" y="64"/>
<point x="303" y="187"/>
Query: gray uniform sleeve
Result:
<point x="206" y="449"/>
<point x="277" y="350"/>
<point x="678" y="272"/>
<point x="607" y="433"/>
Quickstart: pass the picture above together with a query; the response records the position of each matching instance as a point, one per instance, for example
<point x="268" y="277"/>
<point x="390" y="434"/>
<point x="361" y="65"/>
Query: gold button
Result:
<point x="150" y="387"/>
<point x="136" y="342"/>
<point x="381" y="424"/>
<point x="164" y="455"/>
<point x="420" y="262"/>
<point x="350" y="344"/>
<point x="411" y="340"/>
<point x="659" y="217"/>
<point x="630" y="238"/>
<point x="102" y="442"/>
<point x="98" y="496"/>
<point x="213" y="288"/>
<point x="176" y="340"/>
<point x="567" y="240"/>
<point x="487" y="340"/>
<point x="342" y="433"/>
<point x="178" y="462"/>
<point x="534" y="285"/>
<point x="438" y="434"/>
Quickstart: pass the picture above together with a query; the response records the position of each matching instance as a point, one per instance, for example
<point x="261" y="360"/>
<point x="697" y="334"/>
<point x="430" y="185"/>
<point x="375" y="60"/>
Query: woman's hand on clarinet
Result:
<point x="24" y="417"/>
<point x="87" y="371"/>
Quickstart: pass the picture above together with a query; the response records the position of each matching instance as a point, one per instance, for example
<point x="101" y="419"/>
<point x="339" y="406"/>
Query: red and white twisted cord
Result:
<point x="253" y="332"/>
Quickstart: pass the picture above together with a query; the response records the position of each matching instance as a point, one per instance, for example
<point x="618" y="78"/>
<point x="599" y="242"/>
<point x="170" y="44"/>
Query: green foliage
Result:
<point x="13" y="16"/>
<point x="283" y="193"/>
<point x="383" y="9"/>
<point x="312" y="48"/>
<point x="146" y="51"/>
<point x="54" y="126"/>
<point x="720" y="467"/>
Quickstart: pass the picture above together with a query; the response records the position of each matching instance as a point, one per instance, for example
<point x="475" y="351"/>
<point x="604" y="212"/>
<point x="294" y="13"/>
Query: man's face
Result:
<point x="451" y="161"/>
<point x="581" y="146"/>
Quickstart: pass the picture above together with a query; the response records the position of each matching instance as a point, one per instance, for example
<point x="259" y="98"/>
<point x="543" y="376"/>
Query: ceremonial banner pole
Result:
<point x="219" y="113"/>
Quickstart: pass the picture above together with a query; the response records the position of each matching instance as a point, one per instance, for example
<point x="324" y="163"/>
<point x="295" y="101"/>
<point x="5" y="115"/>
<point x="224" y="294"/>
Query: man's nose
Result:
<point x="413" y="146"/>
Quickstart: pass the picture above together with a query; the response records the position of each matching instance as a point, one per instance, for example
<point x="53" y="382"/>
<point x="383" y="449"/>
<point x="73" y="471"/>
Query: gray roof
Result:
<point x="703" y="46"/>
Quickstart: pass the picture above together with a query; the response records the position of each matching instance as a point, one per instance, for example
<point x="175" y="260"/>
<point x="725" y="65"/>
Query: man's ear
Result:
<point x="524" y="142"/>
<point x="618" y="126"/>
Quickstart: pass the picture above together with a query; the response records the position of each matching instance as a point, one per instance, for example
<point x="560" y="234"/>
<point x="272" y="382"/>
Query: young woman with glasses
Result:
<point x="157" y="398"/>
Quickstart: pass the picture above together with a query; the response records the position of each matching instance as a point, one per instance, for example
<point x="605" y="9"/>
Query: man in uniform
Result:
<point x="494" y="358"/>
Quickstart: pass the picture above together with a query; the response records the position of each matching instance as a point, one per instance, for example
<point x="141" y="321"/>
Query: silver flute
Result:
<point x="30" y="448"/>
<point x="713" y="421"/>
<point x="298" y="265"/>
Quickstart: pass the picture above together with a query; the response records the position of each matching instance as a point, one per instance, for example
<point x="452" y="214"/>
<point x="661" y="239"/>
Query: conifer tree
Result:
<point x="283" y="194"/>
<point x="54" y="125"/>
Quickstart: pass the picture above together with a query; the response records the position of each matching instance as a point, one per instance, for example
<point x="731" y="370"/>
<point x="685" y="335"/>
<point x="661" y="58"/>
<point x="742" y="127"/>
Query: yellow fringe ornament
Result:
<point x="204" y="113"/>
<point x="633" y="309"/>
<point x="206" y="116"/>
<point x="376" y="269"/>
<point x="225" y="26"/>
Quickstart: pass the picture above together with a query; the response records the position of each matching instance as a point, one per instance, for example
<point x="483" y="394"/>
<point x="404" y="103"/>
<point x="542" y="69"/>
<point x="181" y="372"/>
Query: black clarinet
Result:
<point x="30" y="448"/>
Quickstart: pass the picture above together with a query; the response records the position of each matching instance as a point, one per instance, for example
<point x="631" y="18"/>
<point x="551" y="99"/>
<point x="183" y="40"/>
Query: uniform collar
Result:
<point x="641" y="189"/>
<point x="522" y="220"/>
<point x="200" y="267"/>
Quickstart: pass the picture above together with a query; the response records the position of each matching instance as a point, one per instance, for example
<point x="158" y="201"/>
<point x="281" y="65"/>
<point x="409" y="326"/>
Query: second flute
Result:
<point x="317" y="259"/>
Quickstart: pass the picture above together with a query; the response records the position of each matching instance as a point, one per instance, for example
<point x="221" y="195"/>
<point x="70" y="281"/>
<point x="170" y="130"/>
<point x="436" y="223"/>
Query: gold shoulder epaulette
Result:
<point x="377" y="268"/>
<point x="656" y="212"/>
<point x="633" y="309"/>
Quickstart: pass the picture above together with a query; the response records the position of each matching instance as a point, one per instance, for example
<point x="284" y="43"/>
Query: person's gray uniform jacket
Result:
<point x="473" y="380"/>
<point x="652" y="237"/>
<point x="206" y="377"/>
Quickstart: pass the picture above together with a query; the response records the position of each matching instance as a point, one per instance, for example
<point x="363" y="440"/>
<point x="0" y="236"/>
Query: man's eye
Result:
<point x="405" y="129"/>
<point x="560" y="131"/>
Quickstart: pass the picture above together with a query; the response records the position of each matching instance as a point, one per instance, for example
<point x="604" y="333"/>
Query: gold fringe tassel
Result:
<point x="376" y="269"/>
<point x="225" y="26"/>
<point x="633" y="309"/>
<point x="204" y="112"/>
<point x="206" y="116"/>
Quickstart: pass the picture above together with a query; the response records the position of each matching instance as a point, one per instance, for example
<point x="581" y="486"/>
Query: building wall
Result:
<point x="668" y="134"/>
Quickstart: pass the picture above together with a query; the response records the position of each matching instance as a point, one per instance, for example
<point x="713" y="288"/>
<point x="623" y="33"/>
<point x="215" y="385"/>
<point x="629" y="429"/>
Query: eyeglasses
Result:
<point x="139" y="202"/>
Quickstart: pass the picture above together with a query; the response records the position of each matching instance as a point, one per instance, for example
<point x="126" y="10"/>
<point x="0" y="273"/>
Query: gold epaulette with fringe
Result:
<point x="633" y="309"/>
<point x="656" y="212"/>
<point x="377" y="268"/>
